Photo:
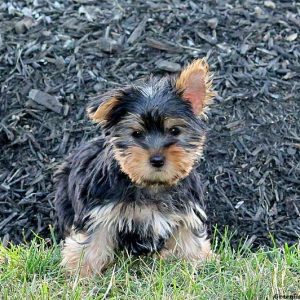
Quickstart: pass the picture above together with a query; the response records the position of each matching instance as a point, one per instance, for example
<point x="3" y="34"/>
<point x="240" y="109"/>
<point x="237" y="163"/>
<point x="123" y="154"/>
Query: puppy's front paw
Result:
<point x="164" y="254"/>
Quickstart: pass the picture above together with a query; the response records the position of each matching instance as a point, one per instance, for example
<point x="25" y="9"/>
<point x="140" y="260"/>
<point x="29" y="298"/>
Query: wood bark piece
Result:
<point x="46" y="100"/>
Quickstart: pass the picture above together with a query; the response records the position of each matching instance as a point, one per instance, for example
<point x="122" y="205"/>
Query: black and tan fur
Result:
<point x="136" y="186"/>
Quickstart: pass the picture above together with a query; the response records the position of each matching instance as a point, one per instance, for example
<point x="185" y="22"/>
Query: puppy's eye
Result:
<point x="137" y="134"/>
<point x="174" y="131"/>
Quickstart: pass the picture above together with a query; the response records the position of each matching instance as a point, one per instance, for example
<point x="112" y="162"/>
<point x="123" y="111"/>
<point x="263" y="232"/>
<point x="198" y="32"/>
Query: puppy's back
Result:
<point x="72" y="181"/>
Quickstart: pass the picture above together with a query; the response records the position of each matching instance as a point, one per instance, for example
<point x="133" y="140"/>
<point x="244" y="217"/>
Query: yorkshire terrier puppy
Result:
<point x="136" y="186"/>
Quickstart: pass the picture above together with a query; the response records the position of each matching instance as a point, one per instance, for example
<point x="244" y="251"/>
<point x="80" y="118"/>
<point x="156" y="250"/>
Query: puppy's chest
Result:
<point x="142" y="230"/>
<point x="141" y="226"/>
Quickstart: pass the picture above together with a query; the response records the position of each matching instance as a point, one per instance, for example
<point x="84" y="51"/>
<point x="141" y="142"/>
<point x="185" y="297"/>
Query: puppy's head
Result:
<point x="156" y="126"/>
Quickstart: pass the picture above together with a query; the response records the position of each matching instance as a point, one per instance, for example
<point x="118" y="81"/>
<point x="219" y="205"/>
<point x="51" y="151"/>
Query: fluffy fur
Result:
<point x="110" y="196"/>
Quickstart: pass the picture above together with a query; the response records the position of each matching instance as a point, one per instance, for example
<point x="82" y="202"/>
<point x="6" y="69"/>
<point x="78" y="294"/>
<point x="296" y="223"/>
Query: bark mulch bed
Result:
<point x="54" y="55"/>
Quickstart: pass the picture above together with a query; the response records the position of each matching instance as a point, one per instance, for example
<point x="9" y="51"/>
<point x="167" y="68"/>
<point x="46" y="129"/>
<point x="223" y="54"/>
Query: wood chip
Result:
<point x="136" y="34"/>
<point x="292" y="37"/>
<point x="108" y="45"/>
<point x="23" y="25"/>
<point x="46" y="100"/>
<point x="168" y="66"/>
<point x="270" y="4"/>
<point x="163" y="45"/>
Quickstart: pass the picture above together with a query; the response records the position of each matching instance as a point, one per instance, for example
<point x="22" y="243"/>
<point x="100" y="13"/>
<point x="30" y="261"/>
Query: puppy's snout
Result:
<point x="157" y="160"/>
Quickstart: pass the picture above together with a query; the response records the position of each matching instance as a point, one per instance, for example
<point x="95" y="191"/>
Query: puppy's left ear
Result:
<point x="195" y="84"/>
<point x="101" y="107"/>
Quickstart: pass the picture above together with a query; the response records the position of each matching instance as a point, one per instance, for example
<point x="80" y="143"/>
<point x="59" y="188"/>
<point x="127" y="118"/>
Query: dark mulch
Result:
<point x="55" y="54"/>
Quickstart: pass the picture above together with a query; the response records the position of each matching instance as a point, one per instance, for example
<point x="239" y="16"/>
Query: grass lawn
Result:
<point x="32" y="272"/>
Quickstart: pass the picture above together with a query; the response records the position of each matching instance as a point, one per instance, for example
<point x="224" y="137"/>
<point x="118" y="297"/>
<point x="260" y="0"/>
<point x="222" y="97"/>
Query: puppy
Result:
<point x="136" y="187"/>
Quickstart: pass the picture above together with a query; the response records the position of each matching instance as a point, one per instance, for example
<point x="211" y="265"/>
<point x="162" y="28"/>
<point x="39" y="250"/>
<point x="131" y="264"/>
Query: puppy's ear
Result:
<point x="100" y="107"/>
<point x="195" y="84"/>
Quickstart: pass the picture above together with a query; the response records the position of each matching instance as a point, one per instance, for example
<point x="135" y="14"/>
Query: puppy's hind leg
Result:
<point x="90" y="253"/>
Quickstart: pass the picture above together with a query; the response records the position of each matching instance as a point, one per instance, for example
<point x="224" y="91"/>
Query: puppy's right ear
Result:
<point x="195" y="85"/>
<point x="101" y="107"/>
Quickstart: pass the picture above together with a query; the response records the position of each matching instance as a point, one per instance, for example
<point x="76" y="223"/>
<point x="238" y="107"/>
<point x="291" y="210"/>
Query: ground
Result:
<point x="72" y="50"/>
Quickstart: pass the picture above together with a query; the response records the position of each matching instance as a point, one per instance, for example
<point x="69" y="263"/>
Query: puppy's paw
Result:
<point x="164" y="254"/>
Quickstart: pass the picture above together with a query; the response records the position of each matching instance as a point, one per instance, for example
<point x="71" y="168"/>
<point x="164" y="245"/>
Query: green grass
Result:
<point x="32" y="272"/>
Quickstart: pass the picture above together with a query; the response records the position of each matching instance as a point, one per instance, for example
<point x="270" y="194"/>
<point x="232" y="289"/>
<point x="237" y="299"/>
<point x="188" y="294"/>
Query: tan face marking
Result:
<point x="134" y="161"/>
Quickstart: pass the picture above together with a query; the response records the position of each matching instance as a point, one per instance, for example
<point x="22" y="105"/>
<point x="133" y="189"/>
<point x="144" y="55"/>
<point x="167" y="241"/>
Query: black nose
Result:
<point x="157" y="160"/>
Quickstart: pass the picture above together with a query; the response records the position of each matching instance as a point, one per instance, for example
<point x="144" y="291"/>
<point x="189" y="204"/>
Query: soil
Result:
<point x="55" y="55"/>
